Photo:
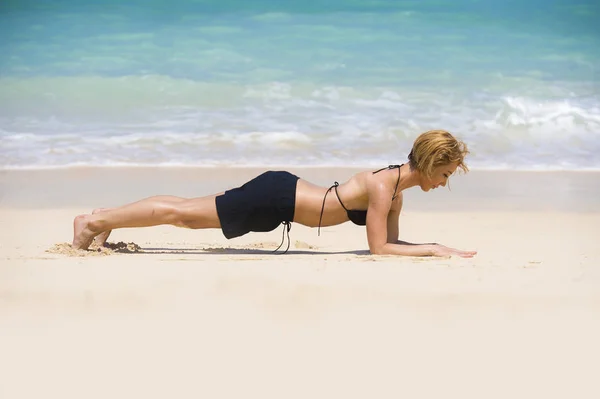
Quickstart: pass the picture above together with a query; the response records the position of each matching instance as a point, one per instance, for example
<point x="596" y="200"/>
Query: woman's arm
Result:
<point x="382" y="225"/>
<point x="382" y="230"/>
<point x="393" y="220"/>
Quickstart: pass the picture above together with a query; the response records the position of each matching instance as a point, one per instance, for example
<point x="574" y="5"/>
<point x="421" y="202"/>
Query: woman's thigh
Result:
<point x="199" y="213"/>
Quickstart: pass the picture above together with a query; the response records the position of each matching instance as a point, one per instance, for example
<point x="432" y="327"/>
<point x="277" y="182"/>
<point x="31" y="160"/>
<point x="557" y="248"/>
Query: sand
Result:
<point x="180" y="313"/>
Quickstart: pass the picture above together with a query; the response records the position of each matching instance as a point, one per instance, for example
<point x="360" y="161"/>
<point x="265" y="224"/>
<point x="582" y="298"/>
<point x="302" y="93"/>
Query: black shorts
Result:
<point x="261" y="204"/>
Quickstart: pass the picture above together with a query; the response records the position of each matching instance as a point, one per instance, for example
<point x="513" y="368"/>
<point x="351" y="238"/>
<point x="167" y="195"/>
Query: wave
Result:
<point x="156" y="120"/>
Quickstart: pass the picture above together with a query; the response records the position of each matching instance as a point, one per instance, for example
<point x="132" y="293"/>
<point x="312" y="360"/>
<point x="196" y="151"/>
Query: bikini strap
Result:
<point x="287" y="227"/>
<point x="335" y="184"/>
<point x="388" y="167"/>
<point x="339" y="199"/>
<point x="397" y="181"/>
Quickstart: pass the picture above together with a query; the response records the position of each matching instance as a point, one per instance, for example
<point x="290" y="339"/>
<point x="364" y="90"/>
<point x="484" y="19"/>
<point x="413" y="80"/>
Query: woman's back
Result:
<point x="351" y="195"/>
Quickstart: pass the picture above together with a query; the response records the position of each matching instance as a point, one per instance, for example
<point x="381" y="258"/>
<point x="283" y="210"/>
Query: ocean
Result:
<point x="300" y="83"/>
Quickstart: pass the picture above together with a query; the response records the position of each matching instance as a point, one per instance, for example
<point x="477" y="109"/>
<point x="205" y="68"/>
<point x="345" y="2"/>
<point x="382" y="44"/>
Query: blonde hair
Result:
<point x="436" y="148"/>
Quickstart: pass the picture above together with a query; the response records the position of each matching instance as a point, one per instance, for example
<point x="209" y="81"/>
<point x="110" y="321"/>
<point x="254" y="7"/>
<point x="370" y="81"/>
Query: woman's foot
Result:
<point x="82" y="235"/>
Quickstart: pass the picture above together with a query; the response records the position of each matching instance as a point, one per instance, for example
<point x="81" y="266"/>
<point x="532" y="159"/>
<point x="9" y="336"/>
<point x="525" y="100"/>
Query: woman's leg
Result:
<point x="101" y="238"/>
<point x="194" y="213"/>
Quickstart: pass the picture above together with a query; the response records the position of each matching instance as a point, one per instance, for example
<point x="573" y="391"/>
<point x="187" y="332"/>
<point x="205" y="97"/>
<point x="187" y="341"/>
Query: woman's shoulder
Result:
<point x="383" y="183"/>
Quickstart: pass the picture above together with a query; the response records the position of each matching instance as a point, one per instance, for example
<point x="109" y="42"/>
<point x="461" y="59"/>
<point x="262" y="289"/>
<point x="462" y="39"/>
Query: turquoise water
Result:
<point x="298" y="82"/>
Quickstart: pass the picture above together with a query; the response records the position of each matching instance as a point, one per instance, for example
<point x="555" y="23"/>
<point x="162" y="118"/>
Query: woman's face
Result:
<point x="438" y="178"/>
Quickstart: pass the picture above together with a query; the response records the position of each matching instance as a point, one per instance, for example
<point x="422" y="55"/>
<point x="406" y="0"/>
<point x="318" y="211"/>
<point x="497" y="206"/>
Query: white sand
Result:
<point x="196" y="315"/>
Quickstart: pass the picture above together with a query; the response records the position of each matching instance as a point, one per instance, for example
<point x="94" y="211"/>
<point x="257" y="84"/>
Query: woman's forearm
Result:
<point x="405" y="249"/>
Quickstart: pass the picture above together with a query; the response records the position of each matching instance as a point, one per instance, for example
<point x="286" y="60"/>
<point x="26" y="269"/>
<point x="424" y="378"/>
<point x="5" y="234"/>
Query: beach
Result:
<point x="105" y="103"/>
<point x="192" y="314"/>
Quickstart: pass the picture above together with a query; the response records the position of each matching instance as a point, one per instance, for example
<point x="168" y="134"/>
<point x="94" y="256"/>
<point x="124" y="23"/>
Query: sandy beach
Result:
<point x="195" y="315"/>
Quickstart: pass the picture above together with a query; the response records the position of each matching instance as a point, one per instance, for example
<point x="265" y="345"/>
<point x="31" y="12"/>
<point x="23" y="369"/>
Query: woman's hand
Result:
<point x="441" y="250"/>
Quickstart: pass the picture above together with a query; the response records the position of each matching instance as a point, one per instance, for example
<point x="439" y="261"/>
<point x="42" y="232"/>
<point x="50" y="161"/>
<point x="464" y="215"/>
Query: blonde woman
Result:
<point x="372" y="199"/>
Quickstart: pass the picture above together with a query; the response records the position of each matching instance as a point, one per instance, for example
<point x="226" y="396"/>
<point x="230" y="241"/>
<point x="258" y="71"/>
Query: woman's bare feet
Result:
<point x="101" y="238"/>
<point x="82" y="235"/>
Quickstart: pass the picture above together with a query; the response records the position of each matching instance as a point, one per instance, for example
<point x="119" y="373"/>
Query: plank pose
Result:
<point x="371" y="198"/>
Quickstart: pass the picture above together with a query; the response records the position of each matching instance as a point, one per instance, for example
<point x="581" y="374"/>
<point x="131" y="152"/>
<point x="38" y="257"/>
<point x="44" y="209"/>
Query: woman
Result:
<point x="369" y="198"/>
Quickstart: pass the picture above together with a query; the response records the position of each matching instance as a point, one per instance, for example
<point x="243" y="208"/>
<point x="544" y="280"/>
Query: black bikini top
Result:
<point x="356" y="216"/>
